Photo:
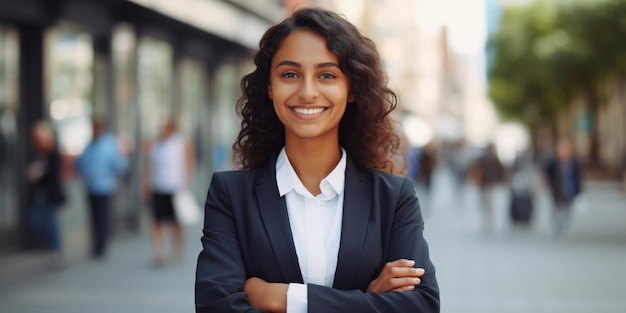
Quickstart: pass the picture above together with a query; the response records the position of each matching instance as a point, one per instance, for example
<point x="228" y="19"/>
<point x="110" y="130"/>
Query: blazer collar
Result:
<point x="273" y="211"/>
<point x="356" y="212"/>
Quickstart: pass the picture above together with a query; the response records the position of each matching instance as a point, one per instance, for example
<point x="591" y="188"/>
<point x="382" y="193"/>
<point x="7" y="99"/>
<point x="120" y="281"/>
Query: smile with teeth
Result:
<point x="308" y="111"/>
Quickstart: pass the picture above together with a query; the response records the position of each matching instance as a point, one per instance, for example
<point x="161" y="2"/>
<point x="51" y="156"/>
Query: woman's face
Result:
<point x="309" y="90"/>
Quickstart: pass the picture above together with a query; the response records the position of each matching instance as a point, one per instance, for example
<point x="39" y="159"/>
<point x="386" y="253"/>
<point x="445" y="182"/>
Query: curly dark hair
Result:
<point x="366" y="131"/>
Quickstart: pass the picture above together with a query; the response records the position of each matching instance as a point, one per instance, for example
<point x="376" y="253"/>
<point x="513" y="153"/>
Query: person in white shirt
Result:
<point x="171" y="169"/>
<point x="321" y="217"/>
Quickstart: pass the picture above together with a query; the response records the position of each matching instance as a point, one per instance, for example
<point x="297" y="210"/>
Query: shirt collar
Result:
<point x="287" y="179"/>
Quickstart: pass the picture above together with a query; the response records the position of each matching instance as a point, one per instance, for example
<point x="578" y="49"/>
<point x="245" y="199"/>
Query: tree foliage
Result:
<point x="521" y="82"/>
<point x="548" y="52"/>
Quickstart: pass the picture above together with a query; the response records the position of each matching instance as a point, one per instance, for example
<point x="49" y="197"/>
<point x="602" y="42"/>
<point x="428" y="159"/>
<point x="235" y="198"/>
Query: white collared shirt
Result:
<point x="315" y="226"/>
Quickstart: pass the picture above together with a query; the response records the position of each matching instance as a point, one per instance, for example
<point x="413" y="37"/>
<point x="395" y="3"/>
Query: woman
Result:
<point x="315" y="221"/>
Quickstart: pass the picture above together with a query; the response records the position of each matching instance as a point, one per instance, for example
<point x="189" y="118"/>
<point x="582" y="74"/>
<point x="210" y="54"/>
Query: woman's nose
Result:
<point x="308" y="90"/>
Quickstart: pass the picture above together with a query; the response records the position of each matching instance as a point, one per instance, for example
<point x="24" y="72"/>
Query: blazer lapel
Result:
<point x="273" y="211"/>
<point x="356" y="211"/>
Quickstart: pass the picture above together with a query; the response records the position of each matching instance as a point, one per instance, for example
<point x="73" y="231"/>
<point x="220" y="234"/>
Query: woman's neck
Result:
<point x="312" y="161"/>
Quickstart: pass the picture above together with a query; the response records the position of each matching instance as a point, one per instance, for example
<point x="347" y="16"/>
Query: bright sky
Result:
<point x="466" y="21"/>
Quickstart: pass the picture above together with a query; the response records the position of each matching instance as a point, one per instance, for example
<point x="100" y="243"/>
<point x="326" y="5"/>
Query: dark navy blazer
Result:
<point x="247" y="234"/>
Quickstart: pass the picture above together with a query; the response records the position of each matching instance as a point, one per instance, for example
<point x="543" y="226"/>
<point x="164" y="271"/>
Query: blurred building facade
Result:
<point x="576" y="123"/>
<point x="426" y="74"/>
<point x="133" y="63"/>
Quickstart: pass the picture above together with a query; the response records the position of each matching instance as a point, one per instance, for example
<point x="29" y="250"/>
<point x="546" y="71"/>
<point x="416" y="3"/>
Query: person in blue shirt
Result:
<point x="100" y="165"/>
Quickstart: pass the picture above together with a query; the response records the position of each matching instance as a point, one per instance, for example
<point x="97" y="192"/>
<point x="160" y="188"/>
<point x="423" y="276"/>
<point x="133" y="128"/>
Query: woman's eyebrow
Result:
<point x="296" y="64"/>
<point x="289" y="63"/>
<point x="327" y="64"/>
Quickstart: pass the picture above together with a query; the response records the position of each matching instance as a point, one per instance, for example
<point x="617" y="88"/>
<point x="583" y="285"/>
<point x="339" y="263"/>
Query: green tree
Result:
<point x="521" y="83"/>
<point x="595" y="51"/>
<point x="547" y="53"/>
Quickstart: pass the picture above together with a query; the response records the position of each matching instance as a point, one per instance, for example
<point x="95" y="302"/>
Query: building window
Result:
<point x="69" y="82"/>
<point x="155" y="66"/>
<point x="9" y="105"/>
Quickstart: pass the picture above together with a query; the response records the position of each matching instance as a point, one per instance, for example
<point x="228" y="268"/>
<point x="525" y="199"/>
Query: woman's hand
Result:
<point x="266" y="297"/>
<point x="399" y="275"/>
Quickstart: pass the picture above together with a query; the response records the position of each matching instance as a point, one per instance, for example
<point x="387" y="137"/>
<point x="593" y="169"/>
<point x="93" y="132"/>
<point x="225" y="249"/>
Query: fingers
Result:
<point x="405" y="288"/>
<point x="403" y="283"/>
<point x="400" y="263"/>
<point x="402" y="268"/>
<point x="406" y="272"/>
<point x="385" y="284"/>
<point x="398" y="275"/>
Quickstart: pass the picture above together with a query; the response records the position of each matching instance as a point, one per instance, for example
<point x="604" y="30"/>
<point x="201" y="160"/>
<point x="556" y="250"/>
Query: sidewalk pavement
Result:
<point x="528" y="270"/>
<point x="126" y="281"/>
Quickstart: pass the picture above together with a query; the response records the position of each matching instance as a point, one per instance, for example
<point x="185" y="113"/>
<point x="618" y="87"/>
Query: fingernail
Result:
<point x="410" y="262"/>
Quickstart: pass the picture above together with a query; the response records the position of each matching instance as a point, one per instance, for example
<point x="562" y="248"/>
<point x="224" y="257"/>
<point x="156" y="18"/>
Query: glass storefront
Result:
<point x="224" y="120"/>
<point x="155" y="76"/>
<point x="194" y="107"/>
<point x="9" y="106"/>
<point x="71" y="71"/>
<point x="193" y="94"/>
<point x="127" y="124"/>
<point x="124" y="46"/>
<point x="69" y="81"/>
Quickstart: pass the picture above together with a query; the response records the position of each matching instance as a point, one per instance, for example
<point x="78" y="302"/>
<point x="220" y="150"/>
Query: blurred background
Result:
<point x="475" y="78"/>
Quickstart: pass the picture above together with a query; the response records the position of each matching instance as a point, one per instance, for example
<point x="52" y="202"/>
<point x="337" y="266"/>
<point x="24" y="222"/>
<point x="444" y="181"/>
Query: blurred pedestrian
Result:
<point x="427" y="163"/>
<point x="100" y="165"/>
<point x="523" y="180"/>
<point x="171" y="169"/>
<point x="563" y="174"/>
<point x="460" y="162"/>
<point x="487" y="173"/>
<point x="320" y="216"/>
<point x="413" y="159"/>
<point x="47" y="194"/>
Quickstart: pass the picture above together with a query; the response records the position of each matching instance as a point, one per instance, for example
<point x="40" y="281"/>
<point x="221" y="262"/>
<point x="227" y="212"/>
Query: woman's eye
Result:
<point x="290" y="75"/>
<point x="327" y="76"/>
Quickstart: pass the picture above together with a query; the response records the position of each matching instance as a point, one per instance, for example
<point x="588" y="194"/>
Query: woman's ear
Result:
<point x="269" y="92"/>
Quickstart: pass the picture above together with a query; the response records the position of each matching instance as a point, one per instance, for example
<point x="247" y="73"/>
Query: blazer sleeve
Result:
<point x="220" y="272"/>
<point x="406" y="241"/>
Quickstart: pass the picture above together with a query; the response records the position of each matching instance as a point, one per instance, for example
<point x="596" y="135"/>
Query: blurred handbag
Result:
<point x="186" y="208"/>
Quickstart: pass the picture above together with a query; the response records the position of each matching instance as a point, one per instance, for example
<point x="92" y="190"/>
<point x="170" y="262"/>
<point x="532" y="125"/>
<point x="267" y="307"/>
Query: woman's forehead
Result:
<point x="304" y="45"/>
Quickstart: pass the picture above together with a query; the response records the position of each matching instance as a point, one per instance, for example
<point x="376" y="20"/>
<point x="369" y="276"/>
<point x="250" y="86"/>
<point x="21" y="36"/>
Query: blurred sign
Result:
<point x="584" y="122"/>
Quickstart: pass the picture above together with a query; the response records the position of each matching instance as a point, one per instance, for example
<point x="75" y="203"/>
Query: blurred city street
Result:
<point x="506" y="270"/>
<point x="486" y="89"/>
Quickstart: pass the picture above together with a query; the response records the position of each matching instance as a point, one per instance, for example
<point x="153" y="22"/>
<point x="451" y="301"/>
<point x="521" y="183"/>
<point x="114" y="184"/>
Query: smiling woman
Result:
<point x="308" y="88"/>
<point x="316" y="221"/>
